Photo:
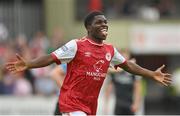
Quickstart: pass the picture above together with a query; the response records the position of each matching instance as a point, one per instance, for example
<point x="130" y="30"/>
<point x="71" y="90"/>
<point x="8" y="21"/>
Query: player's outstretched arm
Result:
<point x="22" y="64"/>
<point x="157" y="75"/>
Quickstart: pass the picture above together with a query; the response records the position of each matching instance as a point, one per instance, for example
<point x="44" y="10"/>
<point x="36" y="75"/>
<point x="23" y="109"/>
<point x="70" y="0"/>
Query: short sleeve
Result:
<point x="117" y="59"/>
<point x="65" y="53"/>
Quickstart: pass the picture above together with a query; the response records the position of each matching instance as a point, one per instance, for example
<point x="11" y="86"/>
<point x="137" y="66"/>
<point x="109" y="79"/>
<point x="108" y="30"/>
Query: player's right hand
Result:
<point x="17" y="66"/>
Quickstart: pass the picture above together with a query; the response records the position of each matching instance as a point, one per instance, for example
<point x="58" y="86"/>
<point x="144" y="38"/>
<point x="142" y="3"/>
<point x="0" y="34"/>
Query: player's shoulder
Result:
<point x="82" y="39"/>
<point x="75" y="41"/>
<point x="108" y="45"/>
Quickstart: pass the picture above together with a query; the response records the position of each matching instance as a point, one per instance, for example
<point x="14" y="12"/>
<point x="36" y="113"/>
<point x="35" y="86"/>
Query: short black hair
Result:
<point x="89" y="18"/>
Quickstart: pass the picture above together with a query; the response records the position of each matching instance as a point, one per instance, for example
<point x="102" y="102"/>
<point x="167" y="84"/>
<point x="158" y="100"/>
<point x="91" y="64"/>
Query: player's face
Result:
<point x="99" y="27"/>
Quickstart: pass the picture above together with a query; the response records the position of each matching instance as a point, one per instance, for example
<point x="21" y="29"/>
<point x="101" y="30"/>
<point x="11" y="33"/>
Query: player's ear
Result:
<point x="88" y="28"/>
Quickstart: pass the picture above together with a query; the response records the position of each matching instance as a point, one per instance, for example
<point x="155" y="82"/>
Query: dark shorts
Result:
<point x="57" y="110"/>
<point x="119" y="110"/>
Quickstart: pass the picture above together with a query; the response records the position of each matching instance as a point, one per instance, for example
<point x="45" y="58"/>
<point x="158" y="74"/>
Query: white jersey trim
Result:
<point x="117" y="58"/>
<point x="67" y="52"/>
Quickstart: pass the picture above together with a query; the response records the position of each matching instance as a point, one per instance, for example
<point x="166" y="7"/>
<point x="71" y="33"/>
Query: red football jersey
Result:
<point x="87" y="65"/>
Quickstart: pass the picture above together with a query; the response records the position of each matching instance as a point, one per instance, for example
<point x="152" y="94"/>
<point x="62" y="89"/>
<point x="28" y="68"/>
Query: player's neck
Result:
<point x="95" y="40"/>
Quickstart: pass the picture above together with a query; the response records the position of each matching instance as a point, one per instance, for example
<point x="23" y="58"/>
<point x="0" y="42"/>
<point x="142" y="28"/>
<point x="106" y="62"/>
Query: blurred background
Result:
<point x="150" y="29"/>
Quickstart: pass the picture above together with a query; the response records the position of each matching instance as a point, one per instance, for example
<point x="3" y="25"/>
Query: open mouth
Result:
<point x="104" y="31"/>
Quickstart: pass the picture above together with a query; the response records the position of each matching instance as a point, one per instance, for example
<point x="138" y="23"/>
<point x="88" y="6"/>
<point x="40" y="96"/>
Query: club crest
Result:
<point x="108" y="56"/>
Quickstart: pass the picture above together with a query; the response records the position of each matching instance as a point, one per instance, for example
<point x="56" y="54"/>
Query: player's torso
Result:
<point x="93" y="59"/>
<point x="88" y="69"/>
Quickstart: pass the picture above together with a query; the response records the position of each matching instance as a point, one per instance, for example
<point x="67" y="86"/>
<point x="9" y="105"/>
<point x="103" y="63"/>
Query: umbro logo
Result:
<point x="87" y="54"/>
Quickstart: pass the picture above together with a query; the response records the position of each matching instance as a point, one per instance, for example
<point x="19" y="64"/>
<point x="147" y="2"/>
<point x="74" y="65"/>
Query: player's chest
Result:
<point x="94" y="54"/>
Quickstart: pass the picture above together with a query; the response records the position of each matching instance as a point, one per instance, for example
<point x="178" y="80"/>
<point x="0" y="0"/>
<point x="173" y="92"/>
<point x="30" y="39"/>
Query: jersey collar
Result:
<point x="92" y="42"/>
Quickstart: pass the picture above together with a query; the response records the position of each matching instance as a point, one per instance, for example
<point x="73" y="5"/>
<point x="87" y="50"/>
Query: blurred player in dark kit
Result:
<point x="127" y="88"/>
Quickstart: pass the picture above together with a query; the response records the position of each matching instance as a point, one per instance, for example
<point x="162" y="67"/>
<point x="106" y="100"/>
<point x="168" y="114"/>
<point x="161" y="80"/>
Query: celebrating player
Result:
<point x="88" y="60"/>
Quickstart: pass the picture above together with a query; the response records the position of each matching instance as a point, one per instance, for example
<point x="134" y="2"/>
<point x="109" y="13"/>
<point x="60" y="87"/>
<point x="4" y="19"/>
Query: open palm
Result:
<point x="17" y="66"/>
<point x="163" y="78"/>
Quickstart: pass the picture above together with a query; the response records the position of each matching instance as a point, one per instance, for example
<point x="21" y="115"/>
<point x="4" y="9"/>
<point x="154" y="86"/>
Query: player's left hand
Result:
<point x="163" y="78"/>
